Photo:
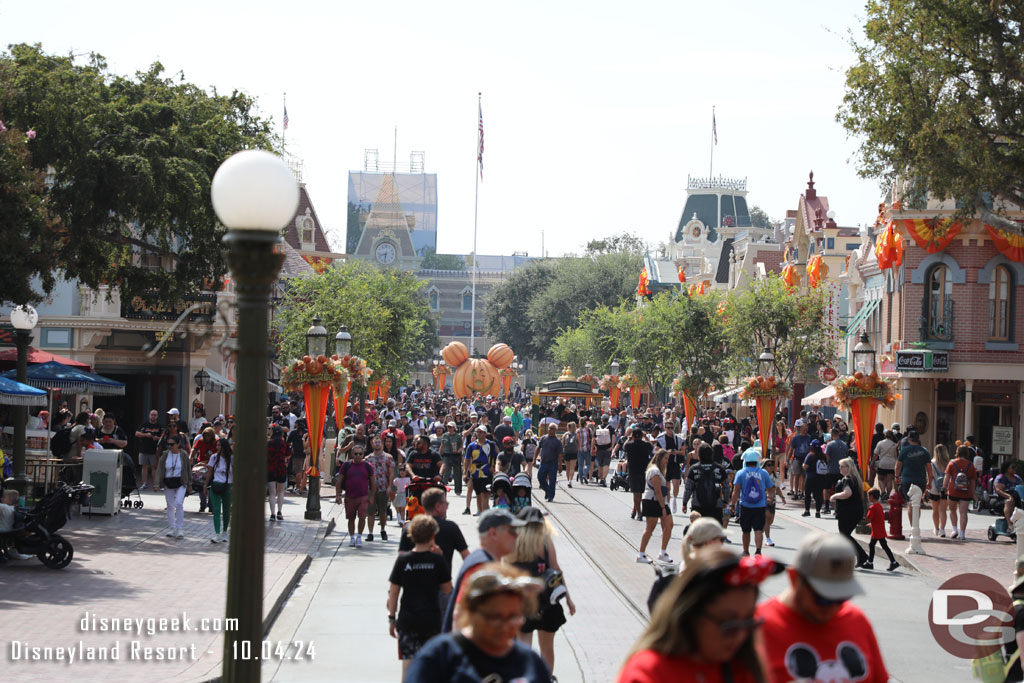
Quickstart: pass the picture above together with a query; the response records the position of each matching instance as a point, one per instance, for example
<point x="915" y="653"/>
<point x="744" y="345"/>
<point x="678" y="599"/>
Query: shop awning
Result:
<point x="853" y="327"/>
<point x="823" y="397"/>
<point x="218" y="383"/>
<point x="275" y="388"/>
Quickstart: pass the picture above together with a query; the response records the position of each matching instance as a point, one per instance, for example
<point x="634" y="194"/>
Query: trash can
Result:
<point x="102" y="469"/>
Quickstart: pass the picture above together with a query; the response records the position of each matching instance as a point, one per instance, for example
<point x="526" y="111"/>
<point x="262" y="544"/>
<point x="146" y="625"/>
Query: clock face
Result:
<point x="386" y="252"/>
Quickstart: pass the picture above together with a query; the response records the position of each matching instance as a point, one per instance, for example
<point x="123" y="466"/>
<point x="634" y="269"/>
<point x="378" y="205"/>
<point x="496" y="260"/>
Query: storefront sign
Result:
<point x="827" y="374"/>
<point x="150" y="307"/>
<point x="1002" y="440"/>
<point x="924" y="360"/>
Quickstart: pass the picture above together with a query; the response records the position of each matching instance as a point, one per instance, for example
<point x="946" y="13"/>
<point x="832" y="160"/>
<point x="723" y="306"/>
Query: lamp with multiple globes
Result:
<point x="23" y="319"/>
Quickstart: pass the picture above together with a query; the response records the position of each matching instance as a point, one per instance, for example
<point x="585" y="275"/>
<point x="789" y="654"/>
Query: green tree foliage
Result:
<point x="434" y="261"/>
<point x="623" y="242"/>
<point x="937" y="94"/>
<point x="759" y="218"/>
<point x="789" y="324"/>
<point x="506" y="307"/>
<point x="131" y="161"/>
<point x="384" y="309"/>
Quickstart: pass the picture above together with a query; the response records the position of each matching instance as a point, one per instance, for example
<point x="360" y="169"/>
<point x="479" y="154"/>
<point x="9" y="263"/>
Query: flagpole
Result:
<point x="476" y="203"/>
<point x="711" y="168"/>
<point x="284" y="124"/>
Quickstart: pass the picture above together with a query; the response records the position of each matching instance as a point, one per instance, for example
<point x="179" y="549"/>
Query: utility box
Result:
<point x="102" y="469"/>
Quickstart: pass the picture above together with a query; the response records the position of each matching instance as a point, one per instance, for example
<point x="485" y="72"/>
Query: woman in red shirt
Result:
<point x="205" y="445"/>
<point x="702" y="627"/>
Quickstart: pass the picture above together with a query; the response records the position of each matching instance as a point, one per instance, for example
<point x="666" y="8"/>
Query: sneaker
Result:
<point x="272" y="518"/>
<point x="746" y="553"/>
<point x="664" y="557"/>
<point x="935" y="531"/>
<point x="632" y="514"/>
<point x="727" y="540"/>
<point x="817" y="515"/>
<point x="867" y="565"/>
<point x="359" y="540"/>
<point x="893" y="566"/>
<point x="642" y="558"/>
<point x="805" y="514"/>
<point x="369" y="538"/>
<point x="170" y="533"/>
<point x="757" y="552"/>
<point x="570" y="484"/>
<point x="144" y="487"/>
<point x="180" y="533"/>
<point x="769" y="542"/>
<point x="673" y="506"/>
<point x="351" y="541"/>
<point x="383" y="535"/>
<point x="279" y="516"/>
<point x="467" y="511"/>
<point x="389" y="513"/>
<point x="602" y="483"/>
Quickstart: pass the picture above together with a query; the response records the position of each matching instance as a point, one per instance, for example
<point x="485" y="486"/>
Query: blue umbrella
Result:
<point x="17" y="394"/>
<point x="53" y="375"/>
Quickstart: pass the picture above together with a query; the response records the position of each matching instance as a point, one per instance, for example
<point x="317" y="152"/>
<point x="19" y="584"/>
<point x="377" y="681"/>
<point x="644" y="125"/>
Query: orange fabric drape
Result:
<point x="372" y="390"/>
<point x="641" y="288"/>
<point x="1009" y="244"/>
<point x="932" y="234"/>
<point x="316" y="410"/>
<point x="889" y="248"/>
<point x="635" y="394"/>
<point x="765" y="414"/>
<point x="682" y="274"/>
<point x="863" y="411"/>
<point x="613" y="397"/>
<point x="814" y="270"/>
<point x="789" y="276"/>
<point x="690" y="409"/>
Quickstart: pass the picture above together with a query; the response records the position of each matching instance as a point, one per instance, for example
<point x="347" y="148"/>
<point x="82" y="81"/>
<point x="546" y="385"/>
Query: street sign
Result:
<point x="1002" y="440"/>
<point x="922" y="360"/>
<point x="827" y="374"/>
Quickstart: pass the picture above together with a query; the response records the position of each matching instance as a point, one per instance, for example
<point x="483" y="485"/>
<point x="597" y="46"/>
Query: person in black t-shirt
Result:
<point x="423" y="462"/>
<point x="146" y="439"/>
<point x="449" y="539"/>
<point x="417" y="576"/>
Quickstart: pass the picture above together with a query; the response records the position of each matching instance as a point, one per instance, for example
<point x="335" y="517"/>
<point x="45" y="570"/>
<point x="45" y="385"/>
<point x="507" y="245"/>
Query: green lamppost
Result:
<point x="23" y="319"/>
<point x="255" y="195"/>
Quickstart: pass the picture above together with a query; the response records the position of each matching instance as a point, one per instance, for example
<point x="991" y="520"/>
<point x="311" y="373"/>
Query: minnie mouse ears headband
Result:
<point x="742" y="571"/>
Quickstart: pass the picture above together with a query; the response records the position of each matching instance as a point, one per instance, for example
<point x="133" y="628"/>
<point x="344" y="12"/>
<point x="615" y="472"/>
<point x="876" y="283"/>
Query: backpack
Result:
<point x="706" y="491"/>
<point x="753" y="490"/>
<point x="961" y="482"/>
<point x="937" y="476"/>
<point x="571" y="444"/>
<point x="822" y="466"/>
<point x="603" y="436"/>
<point x="60" y="444"/>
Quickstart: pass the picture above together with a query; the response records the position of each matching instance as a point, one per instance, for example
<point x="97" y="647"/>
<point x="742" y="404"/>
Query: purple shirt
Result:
<point x="357" y="478"/>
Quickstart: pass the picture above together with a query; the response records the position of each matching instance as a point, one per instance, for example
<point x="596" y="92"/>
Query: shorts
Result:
<point x="884" y="472"/>
<point x="770" y="508"/>
<point x="905" y="488"/>
<point x="278" y="480"/>
<point x="549" y="620"/>
<point x="480" y="484"/>
<point x="712" y="513"/>
<point x="751" y="519"/>
<point x="961" y="499"/>
<point x="604" y="457"/>
<point x="649" y="508"/>
<point x="399" y="500"/>
<point x="410" y="642"/>
<point x="637" y="484"/>
<point x="937" y="496"/>
<point x="147" y="459"/>
<point x="379" y="504"/>
<point x="356" y="506"/>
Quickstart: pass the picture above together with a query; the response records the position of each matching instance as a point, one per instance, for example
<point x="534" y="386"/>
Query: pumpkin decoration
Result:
<point x="500" y="356"/>
<point x="455" y="354"/>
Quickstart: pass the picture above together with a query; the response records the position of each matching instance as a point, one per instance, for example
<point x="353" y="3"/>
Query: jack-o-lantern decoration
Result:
<point x="455" y="354"/>
<point x="500" y="356"/>
<point x="476" y="375"/>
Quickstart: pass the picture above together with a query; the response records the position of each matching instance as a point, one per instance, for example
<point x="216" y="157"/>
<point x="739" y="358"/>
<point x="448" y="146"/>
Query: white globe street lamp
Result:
<point x="23" y="319"/>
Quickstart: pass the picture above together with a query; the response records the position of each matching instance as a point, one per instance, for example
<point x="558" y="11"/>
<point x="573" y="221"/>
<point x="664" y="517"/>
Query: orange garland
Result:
<point x="932" y="234"/>
<point x="1010" y="245"/>
<point x="814" y="270"/>
<point x="889" y="248"/>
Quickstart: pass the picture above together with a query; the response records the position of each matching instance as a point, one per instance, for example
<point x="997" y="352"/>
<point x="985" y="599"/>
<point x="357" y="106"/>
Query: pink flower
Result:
<point x="30" y="134"/>
<point x="3" y="128"/>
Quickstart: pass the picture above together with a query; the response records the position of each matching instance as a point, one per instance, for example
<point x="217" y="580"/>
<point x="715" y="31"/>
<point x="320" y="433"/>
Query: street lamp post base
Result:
<point x="313" y="499"/>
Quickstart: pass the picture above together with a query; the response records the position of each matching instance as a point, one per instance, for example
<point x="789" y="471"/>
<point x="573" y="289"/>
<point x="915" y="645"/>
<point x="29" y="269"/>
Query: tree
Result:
<point x="434" y="261"/>
<point x="623" y="242"/>
<point x="384" y="309"/>
<point x="506" y="307"/>
<point x="130" y="162"/>
<point x="759" y="218"/>
<point x="789" y="324"/>
<point x="937" y="94"/>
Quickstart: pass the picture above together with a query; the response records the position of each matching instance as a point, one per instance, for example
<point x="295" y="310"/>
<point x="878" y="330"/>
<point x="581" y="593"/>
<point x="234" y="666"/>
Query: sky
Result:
<point x="594" y="112"/>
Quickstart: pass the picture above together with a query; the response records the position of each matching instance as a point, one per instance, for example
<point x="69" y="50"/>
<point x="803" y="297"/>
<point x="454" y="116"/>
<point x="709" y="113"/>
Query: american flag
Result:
<point x="480" y="150"/>
<point x="714" y="128"/>
<point x="285" y="117"/>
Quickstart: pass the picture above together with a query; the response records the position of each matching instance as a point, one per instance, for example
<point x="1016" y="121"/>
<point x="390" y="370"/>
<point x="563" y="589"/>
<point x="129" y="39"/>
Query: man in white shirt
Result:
<point x="416" y="422"/>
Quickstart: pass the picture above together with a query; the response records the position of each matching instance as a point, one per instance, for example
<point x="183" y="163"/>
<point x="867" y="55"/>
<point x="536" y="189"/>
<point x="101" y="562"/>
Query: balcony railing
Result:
<point x="937" y="322"/>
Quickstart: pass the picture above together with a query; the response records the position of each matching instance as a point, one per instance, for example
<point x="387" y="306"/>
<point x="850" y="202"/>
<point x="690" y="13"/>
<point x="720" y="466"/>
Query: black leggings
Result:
<point x="814" y="486"/>
<point x="846" y="527"/>
<point x="885" y="547"/>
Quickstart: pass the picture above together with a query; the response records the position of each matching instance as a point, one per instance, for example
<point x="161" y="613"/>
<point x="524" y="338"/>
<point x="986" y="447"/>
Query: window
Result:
<point x="939" y="304"/>
<point x="306" y="229"/>
<point x="852" y="246"/>
<point x="435" y="300"/>
<point x="999" y="291"/>
<point x="151" y="261"/>
<point x="467" y="299"/>
<point x="830" y="243"/>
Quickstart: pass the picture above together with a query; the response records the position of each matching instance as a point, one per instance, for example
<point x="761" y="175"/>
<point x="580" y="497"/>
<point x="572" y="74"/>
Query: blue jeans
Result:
<point x="583" y="464"/>
<point x="547" y="477"/>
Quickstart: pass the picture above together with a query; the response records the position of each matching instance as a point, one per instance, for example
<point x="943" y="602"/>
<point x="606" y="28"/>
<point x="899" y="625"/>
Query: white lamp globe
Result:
<point x="24" y="317"/>
<point x="254" y="190"/>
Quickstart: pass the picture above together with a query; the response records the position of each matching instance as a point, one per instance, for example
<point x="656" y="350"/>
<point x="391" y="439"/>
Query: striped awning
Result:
<point x="857" y="322"/>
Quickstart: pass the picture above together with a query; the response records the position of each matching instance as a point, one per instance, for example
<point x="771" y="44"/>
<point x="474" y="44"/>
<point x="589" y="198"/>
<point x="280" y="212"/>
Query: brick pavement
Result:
<point x="125" y="567"/>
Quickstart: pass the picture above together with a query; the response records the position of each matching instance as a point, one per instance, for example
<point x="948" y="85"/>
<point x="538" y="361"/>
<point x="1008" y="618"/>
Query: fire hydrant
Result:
<point x="896" y="502"/>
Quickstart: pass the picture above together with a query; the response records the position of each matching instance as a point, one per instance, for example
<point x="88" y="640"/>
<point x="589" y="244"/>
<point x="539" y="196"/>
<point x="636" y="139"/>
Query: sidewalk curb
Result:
<point x="904" y="560"/>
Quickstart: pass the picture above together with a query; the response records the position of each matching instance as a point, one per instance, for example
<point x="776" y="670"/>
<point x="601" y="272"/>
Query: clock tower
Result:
<point x="387" y="236"/>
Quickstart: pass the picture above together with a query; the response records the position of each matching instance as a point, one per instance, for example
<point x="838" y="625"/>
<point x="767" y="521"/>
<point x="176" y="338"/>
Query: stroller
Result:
<point x="129" y="484"/>
<point x="35" y="531"/>
<point x="415" y="490"/>
<point x="620" y="479"/>
<point x="987" y="498"/>
<point x="521" y="492"/>
<point x="501" y="491"/>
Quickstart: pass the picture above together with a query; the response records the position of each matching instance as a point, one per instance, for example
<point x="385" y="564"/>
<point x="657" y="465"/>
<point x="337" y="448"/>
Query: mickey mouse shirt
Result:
<point x="796" y="649"/>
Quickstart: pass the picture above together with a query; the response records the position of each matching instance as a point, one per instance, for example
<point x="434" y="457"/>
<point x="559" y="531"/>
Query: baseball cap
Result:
<point x="799" y="422"/>
<point x="507" y="418"/>
<point x="826" y="561"/>
<point x="531" y="515"/>
<point x="508" y="441"/>
<point x="450" y="424"/>
<point x="393" y="423"/>
<point x="496" y="517"/>
<point x="173" y="411"/>
<point x="484" y="583"/>
<point x="815" y="442"/>
<point x="751" y="455"/>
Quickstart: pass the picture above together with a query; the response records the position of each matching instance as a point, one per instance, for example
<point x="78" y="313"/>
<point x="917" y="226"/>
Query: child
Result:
<point x="769" y="512"/>
<point x="521" y="490"/>
<point x="501" y="492"/>
<point x="877" y="518"/>
<point x="8" y="508"/>
<point x="399" y="486"/>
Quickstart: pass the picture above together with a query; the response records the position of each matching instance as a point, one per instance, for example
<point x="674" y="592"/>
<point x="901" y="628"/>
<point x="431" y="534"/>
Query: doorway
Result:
<point x="985" y="418"/>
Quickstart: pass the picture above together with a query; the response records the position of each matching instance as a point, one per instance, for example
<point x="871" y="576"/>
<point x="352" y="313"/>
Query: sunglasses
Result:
<point x="732" y="627"/>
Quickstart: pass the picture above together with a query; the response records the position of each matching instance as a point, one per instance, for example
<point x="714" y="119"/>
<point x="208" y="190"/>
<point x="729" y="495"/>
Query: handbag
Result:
<point x="172" y="482"/>
<point x="219" y="487"/>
